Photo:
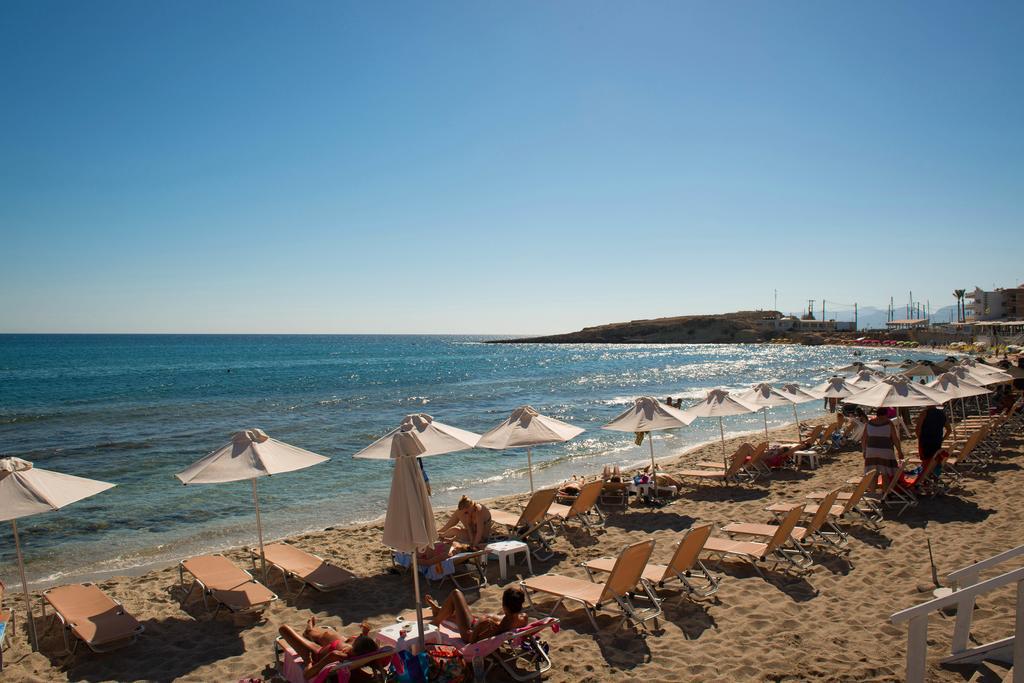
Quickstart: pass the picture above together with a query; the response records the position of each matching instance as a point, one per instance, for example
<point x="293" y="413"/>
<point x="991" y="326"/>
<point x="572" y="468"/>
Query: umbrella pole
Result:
<point x="721" y="430"/>
<point x="796" y="418"/>
<point x="419" y="605"/>
<point x="529" y="463"/>
<point x="765" y="410"/>
<point x="650" y="441"/>
<point x="24" y="587"/>
<point x="259" y="530"/>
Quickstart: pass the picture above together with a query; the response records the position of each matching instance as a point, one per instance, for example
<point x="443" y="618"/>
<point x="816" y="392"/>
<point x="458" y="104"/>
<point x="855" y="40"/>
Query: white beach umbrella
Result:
<point x="953" y="387"/>
<point x="864" y="379"/>
<point x="798" y="394"/>
<point x="436" y="437"/>
<point x="26" y="490"/>
<point x="922" y="368"/>
<point x="897" y="392"/>
<point x="525" y="427"/>
<point x="409" y="525"/>
<point x="998" y="375"/>
<point x="857" y="366"/>
<point x="766" y="396"/>
<point x="975" y="377"/>
<point x="250" y="454"/>
<point x="720" y="403"/>
<point x="648" y="414"/>
<point x="835" y="387"/>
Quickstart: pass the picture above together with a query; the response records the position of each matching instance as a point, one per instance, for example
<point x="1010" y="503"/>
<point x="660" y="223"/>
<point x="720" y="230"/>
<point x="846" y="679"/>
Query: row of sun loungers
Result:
<point x="799" y="531"/>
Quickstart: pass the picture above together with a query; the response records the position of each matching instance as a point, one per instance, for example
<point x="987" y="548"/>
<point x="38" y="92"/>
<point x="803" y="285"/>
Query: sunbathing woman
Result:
<point x="473" y="629"/>
<point x="475" y="519"/>
<point x="319" y="646"/>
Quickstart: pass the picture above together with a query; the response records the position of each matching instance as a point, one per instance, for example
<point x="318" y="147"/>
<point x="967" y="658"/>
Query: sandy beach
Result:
<point x="831" y="625"/>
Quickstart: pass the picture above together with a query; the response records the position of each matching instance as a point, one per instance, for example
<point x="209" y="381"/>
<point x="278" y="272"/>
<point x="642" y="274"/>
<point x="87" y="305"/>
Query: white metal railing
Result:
<point x="965" y="578"/>
<point x="964" y="597"/>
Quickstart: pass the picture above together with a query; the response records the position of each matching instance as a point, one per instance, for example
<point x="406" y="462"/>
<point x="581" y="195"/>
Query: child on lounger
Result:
<point x="318" y="646"/>
<point x="474" y="629"/>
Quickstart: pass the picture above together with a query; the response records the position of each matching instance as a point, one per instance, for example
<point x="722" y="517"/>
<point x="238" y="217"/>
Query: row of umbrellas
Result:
<point x="409" y="523"/>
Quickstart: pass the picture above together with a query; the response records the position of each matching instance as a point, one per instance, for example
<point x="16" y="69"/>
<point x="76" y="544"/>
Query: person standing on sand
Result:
<point x="881" y="444"/>
<point x="932" y="428"/>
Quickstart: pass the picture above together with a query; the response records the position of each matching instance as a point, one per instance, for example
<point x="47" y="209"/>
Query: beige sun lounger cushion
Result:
<point x="533" y="514"/>
<point x="92" y="615"/>
<point x="232" y="587"/>
<point x="624" y="577"/>
<point x="306" y="567"/>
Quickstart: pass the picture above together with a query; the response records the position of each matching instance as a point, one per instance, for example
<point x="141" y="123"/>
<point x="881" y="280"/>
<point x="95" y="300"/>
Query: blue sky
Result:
<point x="499" y="167"/>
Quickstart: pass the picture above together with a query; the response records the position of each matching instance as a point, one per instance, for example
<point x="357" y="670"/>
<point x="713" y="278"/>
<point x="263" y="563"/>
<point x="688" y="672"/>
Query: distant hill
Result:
<point x="697" y="329"/>
<point x="725" y="328"/>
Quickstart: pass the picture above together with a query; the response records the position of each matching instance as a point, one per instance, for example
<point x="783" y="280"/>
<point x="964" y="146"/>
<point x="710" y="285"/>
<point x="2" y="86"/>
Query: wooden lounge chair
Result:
<point x="752" y="466"/>
<point x="583" y="510"/>
<point x="684" y="563"/>
<point x="812" y="535"/>
<point x="308" y="569"/>
<point x="779" y="550"/>
<point x="856" y="506"/>
<point x="623" y="580"/>
<point x="92" y="617"/>
<point x="725" y="476"/>
<point x="783" y="456"/>
<point x="529" y="525"/>
<point x="230" y="586"/>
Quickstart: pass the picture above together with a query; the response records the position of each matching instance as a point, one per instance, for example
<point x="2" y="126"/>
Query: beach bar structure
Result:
<point x="908" y="324"/>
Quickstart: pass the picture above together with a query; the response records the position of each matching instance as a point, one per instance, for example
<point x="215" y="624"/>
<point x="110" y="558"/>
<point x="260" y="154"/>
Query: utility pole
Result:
<point x="854" y="316"/>
<point x="776" y="300"/>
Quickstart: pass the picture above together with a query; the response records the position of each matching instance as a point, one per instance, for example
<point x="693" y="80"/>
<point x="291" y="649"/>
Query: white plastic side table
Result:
<point x="810" y="456"/>
<point x="504" y="550"/>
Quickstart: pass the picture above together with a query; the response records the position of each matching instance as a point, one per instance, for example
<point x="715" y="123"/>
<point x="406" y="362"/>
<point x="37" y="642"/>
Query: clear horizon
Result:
<point x="446" y="169"/>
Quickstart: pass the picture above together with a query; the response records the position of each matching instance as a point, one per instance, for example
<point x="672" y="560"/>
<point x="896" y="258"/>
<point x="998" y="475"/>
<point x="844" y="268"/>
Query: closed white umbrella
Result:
<point x="797" y="394"/>
<point x="418" y="436"/>
<point x="720" y="403"/>
<point x="897" y="392"/>
<point x="409" y="525"/>
<point x="436" y="438"/>
<point x="648" y="414"/>
<point x="250" y="454"/>
<point x="525" y="427"/>
<point x="26" y="490"/>
<point x="765" y="396"/>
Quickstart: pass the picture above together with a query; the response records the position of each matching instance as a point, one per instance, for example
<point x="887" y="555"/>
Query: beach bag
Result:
<point x="447" y="665"/>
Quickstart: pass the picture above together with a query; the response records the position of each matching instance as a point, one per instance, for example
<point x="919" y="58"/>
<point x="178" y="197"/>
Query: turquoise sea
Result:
<point x="135" y="409"/>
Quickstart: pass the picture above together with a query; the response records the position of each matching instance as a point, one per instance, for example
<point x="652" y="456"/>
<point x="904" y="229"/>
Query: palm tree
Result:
<point x="961" y="312"/>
